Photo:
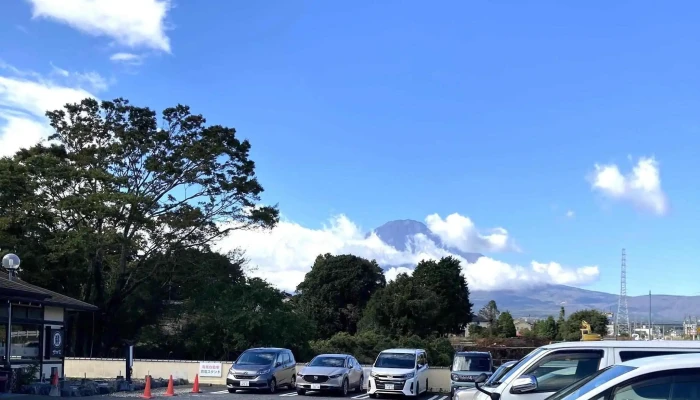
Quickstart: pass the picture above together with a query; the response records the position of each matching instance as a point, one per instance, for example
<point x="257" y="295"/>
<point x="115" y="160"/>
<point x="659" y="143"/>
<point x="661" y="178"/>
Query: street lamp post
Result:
<point x="11" y="263"/>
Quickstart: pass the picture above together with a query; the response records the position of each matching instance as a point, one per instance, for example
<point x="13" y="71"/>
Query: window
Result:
<point x="396" y="360"/>
<point x="626" y="355"/>
<point x="291" y="358"/>
<point x="26" y="312"/>
<point x="324" y="361"/>
<point x="471" y="363"/>
<point x="679" y="384"/>
<point x="580" y="388"/>
<point x="561" y="369"/>
<point x="25" y="342"/>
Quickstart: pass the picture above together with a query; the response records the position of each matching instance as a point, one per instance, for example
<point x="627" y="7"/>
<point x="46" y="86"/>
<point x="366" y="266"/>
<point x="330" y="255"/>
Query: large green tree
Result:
<point x="572" y="328"/>
<point x="506" y="325"/>
<point x="445" y="279"/>
<point x="404" y="307"/>
<point x="336" y="290"/>
<point x="104" y="210"/>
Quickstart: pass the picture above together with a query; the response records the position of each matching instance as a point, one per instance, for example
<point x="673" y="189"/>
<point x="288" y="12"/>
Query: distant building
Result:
<point x="476" y="321"/>
<point x="523" y="323"/>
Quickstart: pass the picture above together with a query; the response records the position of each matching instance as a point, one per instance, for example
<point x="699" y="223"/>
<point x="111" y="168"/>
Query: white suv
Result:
<point x="399" y="371"/>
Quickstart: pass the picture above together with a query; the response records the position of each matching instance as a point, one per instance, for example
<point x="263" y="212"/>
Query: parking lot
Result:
<point x="216" y="393"/>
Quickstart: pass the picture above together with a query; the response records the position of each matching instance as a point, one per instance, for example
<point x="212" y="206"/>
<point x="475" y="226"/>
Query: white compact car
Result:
<point x="399" y="371"/>
<point x="672" y="377"/>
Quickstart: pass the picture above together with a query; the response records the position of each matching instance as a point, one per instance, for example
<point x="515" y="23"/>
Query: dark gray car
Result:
<point x="262" y="369"/>
<point x="331" y="372"/>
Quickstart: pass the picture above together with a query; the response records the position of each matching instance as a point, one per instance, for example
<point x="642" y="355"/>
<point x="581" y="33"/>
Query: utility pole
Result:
<point x="622" y="322"/>
<point x="650" y="315"/>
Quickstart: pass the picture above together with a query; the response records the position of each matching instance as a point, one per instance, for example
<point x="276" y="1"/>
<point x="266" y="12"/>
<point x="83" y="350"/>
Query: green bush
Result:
<point x="366" y="345"/>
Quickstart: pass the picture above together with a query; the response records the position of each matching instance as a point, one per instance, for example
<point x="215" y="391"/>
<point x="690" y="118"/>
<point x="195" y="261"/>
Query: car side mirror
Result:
<point x="481" y="379"/>
<point x="524" y="384"/>
<point x="278" y="364"/>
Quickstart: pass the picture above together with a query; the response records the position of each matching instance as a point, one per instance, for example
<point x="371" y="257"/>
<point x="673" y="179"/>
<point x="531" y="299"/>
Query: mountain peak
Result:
<point x="400" y="234"/>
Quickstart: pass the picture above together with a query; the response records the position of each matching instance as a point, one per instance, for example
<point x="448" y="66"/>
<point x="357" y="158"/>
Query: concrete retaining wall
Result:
<point x="96" y="368"/>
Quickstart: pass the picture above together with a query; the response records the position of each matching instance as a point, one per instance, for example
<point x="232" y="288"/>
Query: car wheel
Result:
<point x="361" y="384"/>
<point x="301" y="392"/>
<point x="231" y="390"/>
<point x="293" y="385"/>
<point x="344" y="389"/>
<point x="273" y="385"/>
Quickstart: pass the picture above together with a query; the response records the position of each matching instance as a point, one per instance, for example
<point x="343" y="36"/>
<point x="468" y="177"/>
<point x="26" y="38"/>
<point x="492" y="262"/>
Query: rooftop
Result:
<point x="21" y="290"/>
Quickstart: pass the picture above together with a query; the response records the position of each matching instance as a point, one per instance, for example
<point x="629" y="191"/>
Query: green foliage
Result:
<point x="366" y="345"/>
<point x="336" y="291"/>
<point x="546" y="328"/>
<point x="404" y="307"/>
<point x="445" y="279"/>
<point x="490" y="313"/>
<point x="506" y="326"/>
<point x="597" y="319"/>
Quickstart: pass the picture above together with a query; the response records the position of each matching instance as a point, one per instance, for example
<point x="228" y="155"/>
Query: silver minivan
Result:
<point x="264" y="368"/>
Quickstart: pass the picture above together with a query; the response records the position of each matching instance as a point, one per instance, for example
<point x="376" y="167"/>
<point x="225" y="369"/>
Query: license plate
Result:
<point x="389" y="387"/>
<point x="245" y="383"/>
<point x="315" y="387"/>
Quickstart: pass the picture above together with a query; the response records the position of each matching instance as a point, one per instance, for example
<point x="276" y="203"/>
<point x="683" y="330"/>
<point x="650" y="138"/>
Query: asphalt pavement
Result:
<point x="221" y="393"/>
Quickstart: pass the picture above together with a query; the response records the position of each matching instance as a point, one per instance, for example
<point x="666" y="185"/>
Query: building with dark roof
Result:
<point x="32" y="321"/>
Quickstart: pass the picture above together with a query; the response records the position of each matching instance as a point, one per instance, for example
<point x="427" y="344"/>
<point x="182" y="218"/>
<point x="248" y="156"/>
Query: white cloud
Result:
<point x="641" y="186"/>
<point x="284" y="255"/>
<point x="127" y="58"/>
<point x="131" y="23"/>
<point x="570" y="214"/>
<point x="459" y="232"/>
<point x="25" y="96"/>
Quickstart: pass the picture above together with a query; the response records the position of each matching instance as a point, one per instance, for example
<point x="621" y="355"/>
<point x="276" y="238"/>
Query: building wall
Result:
<point x="95" y="368"/>
<point x="52" y="314"/>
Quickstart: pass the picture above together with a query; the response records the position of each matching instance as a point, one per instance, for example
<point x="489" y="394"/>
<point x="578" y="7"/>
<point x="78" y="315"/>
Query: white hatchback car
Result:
<point x="399" y="371"/>
<point x="672" y="377"/>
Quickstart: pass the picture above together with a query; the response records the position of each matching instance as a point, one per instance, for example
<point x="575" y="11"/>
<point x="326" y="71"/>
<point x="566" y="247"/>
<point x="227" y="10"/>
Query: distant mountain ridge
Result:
<point x="400" y="235"/>
<point x="545" y="300"/>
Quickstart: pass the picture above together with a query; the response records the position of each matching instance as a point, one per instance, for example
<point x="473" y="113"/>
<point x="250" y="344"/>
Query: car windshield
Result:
<point x="495" y="379"/>
<point x="396" y="360"/>
<point x="523" y="361"/>
<point x="471" y="363"/>
<point x="337" y="362"/>
<point x="256" y="358"/>
<point x="585" y="385"/>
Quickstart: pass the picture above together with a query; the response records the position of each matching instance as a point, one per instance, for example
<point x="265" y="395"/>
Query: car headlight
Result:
<point x="372" y="374"/>
<point x="455" y="377"/>
<point x="409" y="375"/>
<point x="335" y="376"/>
<point x="264" y="371"/>
<point x="299" y="373"/>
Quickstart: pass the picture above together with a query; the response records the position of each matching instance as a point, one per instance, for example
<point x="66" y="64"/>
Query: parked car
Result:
<point x="673" y="377"/>
<point x="331" y="372"/>
<point x="558" y="365"/>
<point x="467" y="365"/>
<point x="399" y="371"/>
<point x="262" y="369"/>
<point x="493" y="381"/>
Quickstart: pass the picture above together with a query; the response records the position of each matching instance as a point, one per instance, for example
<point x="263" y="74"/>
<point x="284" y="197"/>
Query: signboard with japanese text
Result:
<point x="210" y="369"/>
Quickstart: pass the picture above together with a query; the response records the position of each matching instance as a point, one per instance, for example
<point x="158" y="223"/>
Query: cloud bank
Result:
<point x="285" y="254"/>
<point x="640" y="187"/>
<point x="25" y="96"/>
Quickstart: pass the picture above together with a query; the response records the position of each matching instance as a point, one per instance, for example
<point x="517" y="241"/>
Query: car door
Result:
<point x="677" y="384"/>
<point x="280" y="370"/>
<point x="288" y="366"/>
<point x="556" y="371"/>
<point x="352" y="376"/>
<point x="359" y="371"/>
<point x="422" y="371"/>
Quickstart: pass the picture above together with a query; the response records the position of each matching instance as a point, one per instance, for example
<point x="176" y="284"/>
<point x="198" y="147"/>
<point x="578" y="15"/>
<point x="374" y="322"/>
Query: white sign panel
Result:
<point x="210" y="369"/>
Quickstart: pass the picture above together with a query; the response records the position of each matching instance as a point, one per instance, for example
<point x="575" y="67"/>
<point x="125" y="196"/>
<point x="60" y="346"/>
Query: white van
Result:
<point x="399" y="371"/>
<point x="550" y="368"/>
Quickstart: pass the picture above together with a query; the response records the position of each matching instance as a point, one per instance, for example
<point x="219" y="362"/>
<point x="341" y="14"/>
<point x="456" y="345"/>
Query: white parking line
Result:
<point x="288" y="394"/>
<point x="434" y="397"/>
<point x="443" y="397"/>
<point x="219" y="392"/>
<point x="361" y="396"/>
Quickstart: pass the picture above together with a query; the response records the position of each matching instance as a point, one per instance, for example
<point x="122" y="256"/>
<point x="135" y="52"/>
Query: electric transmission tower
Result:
<point x="622" y="322"/>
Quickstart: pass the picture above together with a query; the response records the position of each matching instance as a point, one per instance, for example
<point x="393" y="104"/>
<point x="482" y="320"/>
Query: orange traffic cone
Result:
<point x="147" y="391"/>
<point x="195" y="387"/>
<point x="171" y="389"/>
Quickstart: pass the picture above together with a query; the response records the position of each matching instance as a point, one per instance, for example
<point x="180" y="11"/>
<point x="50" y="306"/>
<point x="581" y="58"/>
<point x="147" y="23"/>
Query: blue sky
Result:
<point x="395" y="109"/>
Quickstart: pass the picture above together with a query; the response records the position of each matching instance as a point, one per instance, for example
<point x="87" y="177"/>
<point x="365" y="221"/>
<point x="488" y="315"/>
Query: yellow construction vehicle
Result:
<point x="586" y="334"/>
